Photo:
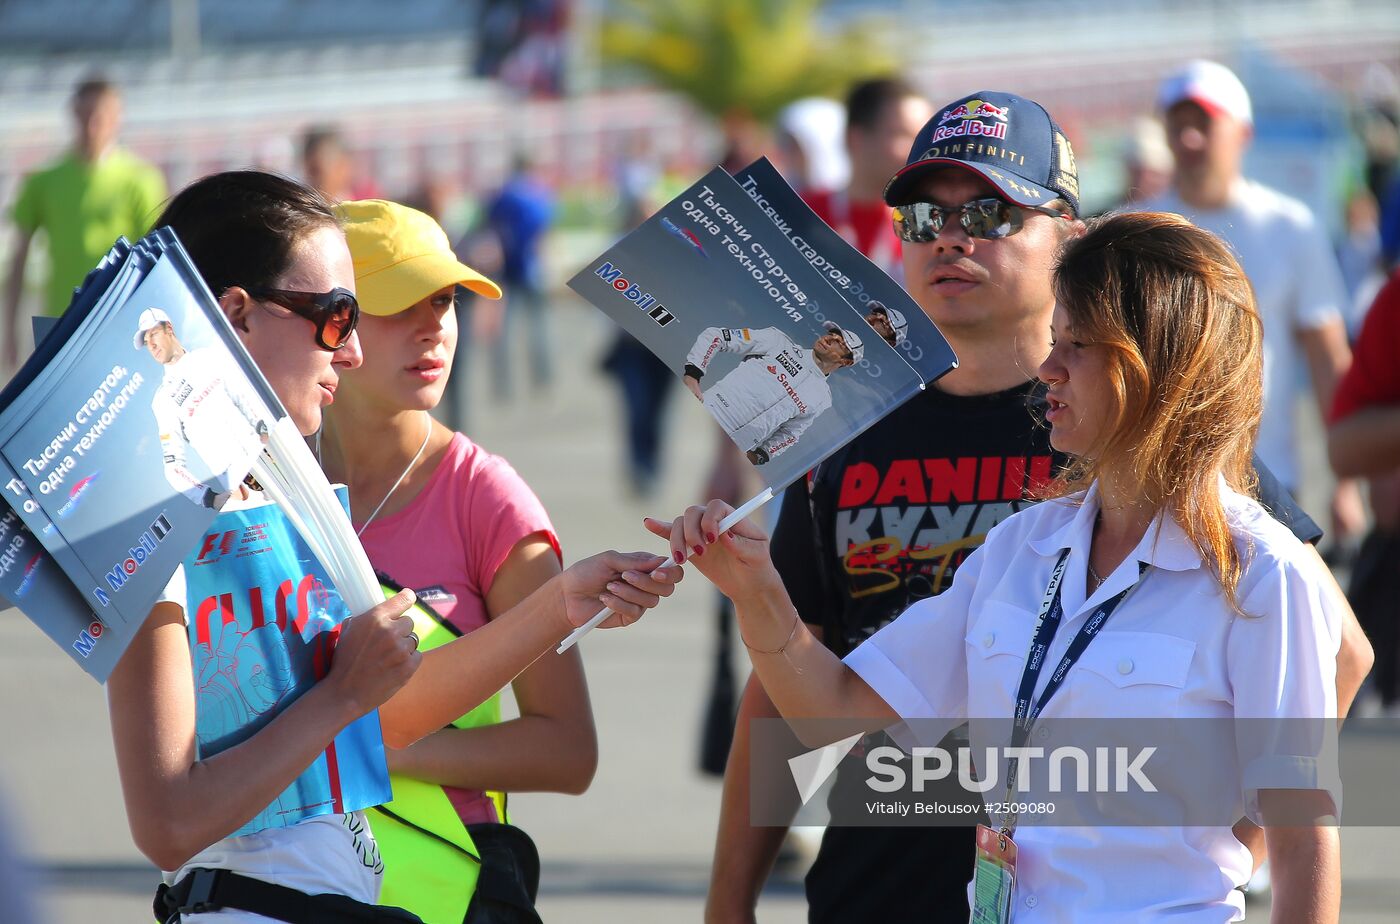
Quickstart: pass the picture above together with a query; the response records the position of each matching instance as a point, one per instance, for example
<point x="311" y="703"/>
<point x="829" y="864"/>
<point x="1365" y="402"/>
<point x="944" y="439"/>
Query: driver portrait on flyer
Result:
<point x="778" y="389"/>
<point x="201" y="413"/>
<point x="889" y="323"/>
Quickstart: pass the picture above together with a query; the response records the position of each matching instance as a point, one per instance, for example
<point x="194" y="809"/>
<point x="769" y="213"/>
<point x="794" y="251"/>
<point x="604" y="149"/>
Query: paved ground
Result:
<point x="636" y="847"/>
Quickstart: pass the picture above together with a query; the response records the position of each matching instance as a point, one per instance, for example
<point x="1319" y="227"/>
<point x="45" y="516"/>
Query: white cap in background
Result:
<point x="1213" y="87"/>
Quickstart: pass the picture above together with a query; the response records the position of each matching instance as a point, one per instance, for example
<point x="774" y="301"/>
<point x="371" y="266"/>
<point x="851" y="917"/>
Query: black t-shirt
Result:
<point x="887" y="519"/>
<point x="881" y="524"/>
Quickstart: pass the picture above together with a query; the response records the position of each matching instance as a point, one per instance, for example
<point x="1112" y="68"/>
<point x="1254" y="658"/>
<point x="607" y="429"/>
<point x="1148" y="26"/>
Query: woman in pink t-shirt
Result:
<point x="448" y="519"/>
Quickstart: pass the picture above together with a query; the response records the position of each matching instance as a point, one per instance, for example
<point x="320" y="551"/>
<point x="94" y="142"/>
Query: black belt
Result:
<point x="204" y="890"/>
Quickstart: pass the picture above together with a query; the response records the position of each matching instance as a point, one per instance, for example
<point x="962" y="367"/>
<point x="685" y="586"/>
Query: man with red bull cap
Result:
<point x="980" y="218"/>
<point x="887" y="520"/>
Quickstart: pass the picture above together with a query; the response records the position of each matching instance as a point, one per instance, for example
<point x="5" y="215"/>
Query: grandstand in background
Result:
<point x="46" y="26"/>
<point x="211" y="85"/>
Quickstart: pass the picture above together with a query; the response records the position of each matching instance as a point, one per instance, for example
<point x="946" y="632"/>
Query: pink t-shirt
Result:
<point x="448" y="543"/>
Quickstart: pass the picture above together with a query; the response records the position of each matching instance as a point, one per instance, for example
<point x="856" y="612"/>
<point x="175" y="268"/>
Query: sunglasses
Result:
<point x="335" y="313"/>
<point x="988" y="219"/>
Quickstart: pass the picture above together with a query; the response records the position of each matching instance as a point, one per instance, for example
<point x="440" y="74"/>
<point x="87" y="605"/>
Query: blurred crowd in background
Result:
<point x="536" y="131"/>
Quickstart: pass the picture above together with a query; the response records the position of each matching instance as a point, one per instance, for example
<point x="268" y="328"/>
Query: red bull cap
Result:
<point x="1009" y="141"/>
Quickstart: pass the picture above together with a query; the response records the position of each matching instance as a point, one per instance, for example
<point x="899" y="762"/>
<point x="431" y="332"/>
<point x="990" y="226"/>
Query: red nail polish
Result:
<point x="679" y="557"/>
<point x="709" y="537"/>
<point x="699" y="550"/>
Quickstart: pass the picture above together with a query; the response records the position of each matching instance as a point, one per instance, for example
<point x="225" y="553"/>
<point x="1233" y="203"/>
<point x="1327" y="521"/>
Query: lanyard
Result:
<point x="1046" y="624"/>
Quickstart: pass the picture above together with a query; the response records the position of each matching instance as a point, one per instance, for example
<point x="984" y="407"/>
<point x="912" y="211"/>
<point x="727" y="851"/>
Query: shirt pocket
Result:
<point x="997" y="644"/>
<point x="1132" y="675"/>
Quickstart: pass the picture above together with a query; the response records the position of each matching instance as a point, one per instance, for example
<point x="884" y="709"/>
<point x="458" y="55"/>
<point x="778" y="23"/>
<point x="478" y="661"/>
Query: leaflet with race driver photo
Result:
<point x="779" y="358"/>
<point x="889" y="310"/>
<point x="120" y="439"/>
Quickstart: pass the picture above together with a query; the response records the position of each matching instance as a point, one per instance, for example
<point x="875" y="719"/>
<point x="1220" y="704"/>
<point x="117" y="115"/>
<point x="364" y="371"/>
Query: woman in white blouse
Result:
<point x="1154" y="388"/>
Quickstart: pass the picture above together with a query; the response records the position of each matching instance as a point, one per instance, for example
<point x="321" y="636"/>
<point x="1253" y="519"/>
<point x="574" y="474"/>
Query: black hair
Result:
<point x="93" y="84"/>
<point x="240" y="227"/>
<point x="868" y="100"/>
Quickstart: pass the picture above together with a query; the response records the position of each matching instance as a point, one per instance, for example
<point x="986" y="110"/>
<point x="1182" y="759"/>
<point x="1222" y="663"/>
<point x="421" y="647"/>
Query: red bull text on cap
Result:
<point x="1010" y="141"/>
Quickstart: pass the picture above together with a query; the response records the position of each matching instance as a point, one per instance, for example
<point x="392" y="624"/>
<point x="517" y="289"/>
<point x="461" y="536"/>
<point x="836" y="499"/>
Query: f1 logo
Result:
<point x="224" y="541"/>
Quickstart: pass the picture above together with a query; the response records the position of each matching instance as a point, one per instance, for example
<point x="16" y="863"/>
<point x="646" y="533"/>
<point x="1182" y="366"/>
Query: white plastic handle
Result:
<point x="724" y="525"/>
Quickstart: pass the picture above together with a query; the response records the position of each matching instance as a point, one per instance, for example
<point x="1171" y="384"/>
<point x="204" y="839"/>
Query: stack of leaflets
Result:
<point x="137" y="419"/>
<point x="116" y="458"/>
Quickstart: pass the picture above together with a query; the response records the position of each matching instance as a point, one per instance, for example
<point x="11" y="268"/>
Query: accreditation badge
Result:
<point x="994" y="877"/>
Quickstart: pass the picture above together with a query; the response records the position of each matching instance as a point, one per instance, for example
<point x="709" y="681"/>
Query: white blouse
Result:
<point x="1172" y="650"/>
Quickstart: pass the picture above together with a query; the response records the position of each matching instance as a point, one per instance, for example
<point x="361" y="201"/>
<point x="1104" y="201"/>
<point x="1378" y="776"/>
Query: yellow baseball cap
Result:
<point x="402" y="256"/>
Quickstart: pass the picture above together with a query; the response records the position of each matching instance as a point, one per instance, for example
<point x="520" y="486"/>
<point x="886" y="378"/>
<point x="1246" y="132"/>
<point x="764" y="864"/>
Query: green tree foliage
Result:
<point x="737" y="56"/>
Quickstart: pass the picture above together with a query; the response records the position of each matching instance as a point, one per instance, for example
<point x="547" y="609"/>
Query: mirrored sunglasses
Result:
<point x="989" y="219"/>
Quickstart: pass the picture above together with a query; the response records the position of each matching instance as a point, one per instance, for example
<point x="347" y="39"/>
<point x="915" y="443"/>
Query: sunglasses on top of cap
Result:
<point x="989" y="219"/>
<point x="335" y="313"/>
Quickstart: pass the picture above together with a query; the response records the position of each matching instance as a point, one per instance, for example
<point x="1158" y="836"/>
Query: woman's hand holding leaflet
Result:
<point x="376" y="653"/>
<point x="803" y="677"/>
<point x="737" y="561"/>
<point x="628" y="583"/>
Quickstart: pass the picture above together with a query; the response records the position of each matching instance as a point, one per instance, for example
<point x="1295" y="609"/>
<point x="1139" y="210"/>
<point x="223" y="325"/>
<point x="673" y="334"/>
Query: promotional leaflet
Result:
<point x="787" y="367"/>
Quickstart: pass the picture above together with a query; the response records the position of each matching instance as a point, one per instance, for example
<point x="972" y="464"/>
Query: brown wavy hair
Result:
<point x="1177" y="315"/>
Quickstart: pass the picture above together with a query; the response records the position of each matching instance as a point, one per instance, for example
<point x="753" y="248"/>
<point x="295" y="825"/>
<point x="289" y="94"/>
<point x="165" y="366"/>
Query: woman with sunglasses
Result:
<point x="273" y="253"/>
<point x="456" y="523"/>
<point x="1148" y="585"/>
